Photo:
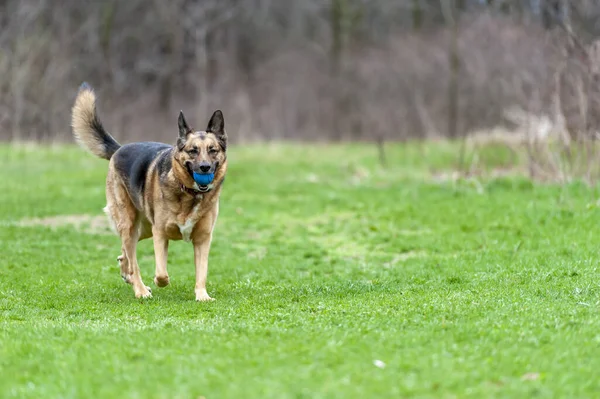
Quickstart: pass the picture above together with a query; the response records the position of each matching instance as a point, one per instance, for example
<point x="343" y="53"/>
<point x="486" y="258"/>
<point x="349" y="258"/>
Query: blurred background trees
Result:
<point x="283" y="69"/>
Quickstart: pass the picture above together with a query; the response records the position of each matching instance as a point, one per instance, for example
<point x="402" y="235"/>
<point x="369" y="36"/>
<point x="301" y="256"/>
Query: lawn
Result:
<point x="334" y="277"/>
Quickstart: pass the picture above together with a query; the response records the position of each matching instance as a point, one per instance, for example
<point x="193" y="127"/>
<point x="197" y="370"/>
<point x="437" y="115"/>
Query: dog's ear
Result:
<point x="216" y="125"/>
<point x="184" y="128"/>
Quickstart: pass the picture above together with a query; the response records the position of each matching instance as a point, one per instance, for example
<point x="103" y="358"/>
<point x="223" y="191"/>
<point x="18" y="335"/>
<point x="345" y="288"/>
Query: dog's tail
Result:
<point x="87" y="128"/>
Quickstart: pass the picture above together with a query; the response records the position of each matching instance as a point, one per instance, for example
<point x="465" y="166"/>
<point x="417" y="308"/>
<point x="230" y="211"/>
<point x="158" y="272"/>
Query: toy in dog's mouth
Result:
<point x="203" y="180"/>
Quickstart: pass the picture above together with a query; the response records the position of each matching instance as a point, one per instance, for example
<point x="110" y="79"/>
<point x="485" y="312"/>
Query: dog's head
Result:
<point x="204" y="151"/>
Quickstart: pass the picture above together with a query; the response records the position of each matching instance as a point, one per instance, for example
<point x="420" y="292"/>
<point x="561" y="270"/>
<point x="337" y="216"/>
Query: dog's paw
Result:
<point x="161" y="281"/>
<point x="202" y="296"/>
<point x="145" y="292"/>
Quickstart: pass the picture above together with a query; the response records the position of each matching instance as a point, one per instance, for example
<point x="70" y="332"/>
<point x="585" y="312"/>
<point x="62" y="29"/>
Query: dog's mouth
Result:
<point x="203" y="188"/>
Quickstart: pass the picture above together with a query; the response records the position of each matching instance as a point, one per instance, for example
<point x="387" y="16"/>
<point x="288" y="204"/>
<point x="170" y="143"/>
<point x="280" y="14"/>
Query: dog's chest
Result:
<point x="188" y="224"/>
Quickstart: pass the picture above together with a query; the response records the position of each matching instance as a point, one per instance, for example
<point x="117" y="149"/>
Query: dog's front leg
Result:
<point x="201" y="238"/>
<point x="161" y="248"/>
<point x="201" y="249"/>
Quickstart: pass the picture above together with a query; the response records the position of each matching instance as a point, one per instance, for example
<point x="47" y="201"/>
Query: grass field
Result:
<point x="333" y="278"/>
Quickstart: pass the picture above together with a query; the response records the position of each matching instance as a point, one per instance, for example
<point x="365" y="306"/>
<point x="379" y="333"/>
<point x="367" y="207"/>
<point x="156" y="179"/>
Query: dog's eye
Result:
<point x="212" y="150"/>
<point x="193" y="152"/>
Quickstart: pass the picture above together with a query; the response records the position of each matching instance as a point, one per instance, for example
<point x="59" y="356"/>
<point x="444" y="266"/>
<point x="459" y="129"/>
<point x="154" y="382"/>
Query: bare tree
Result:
<point x="327" y="69"/>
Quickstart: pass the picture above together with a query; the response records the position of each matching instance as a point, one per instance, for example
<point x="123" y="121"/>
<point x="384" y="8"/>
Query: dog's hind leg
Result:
<point x="130" y="271"/>
<point x="127" y="223"/>
<point x="129" y="238"/>
<point x="124" y="266"/>
<point x="113" y="215"/>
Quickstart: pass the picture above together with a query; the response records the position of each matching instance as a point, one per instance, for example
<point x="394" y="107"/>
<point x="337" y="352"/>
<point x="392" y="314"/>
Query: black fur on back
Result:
<point x="132" y="162"/>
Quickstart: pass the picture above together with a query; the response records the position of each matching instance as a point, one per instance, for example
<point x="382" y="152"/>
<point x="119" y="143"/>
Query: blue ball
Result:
<point x="204" y="179"/>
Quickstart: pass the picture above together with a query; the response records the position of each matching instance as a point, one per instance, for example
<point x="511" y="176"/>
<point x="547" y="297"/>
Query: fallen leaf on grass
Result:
<point x="530" y="377"/>
<point x="379" y="363"/>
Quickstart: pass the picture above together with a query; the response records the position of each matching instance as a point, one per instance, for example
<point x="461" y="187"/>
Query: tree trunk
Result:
<point x="337" y="17"/>
<point x="417" y="14"/>
<point x="450" y="15"/>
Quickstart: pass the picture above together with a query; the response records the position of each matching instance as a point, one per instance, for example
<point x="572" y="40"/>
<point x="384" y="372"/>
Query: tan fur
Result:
<point x="83" y="115"/>
<point x="167" y="210"/>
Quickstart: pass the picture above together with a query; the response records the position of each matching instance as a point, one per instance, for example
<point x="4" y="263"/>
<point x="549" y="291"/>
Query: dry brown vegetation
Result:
<point x="302" y="70"/>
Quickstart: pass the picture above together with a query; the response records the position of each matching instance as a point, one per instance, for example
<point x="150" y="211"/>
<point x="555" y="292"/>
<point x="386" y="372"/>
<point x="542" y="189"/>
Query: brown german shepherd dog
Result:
<point x="151" y="190"/>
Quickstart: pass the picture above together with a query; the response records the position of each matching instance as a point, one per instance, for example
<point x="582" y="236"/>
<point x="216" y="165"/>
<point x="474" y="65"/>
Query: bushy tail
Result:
<point x="87" y="128"/>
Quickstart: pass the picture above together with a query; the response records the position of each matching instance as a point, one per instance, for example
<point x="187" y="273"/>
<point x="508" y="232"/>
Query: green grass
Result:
<point x="323" y="265"/>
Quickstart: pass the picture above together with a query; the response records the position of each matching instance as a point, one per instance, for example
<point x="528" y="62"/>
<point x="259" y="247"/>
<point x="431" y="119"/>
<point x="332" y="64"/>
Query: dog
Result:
<point x="151" y="190"/>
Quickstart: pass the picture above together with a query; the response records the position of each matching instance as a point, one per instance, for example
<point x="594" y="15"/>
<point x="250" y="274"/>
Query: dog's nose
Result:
<point x="204" y="167"/>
